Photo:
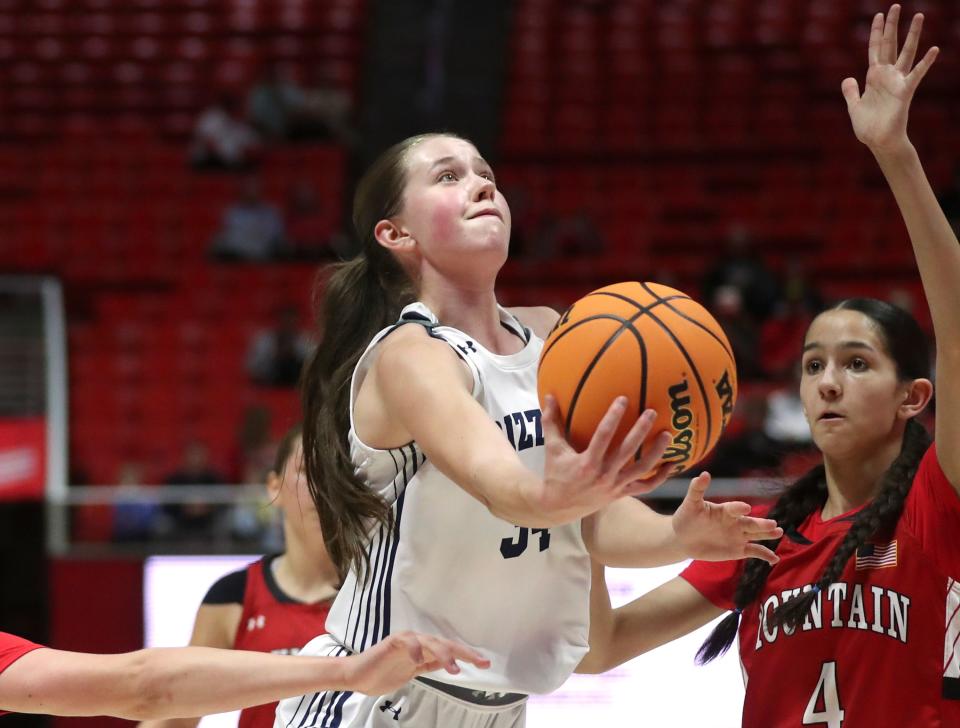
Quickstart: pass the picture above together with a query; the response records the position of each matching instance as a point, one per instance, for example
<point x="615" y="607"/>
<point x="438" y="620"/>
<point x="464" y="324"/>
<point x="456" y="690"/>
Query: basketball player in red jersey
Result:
<point x="857" y="625"/>
<point x="186" y="681"/>
<point x="279" y="603"/>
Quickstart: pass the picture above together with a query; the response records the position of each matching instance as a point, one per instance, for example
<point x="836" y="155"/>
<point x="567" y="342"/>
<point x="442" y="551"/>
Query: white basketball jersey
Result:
<point x="450" y="567"/>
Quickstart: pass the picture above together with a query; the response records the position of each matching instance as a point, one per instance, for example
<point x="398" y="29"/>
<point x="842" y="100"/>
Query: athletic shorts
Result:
<point x="421" y="703"/>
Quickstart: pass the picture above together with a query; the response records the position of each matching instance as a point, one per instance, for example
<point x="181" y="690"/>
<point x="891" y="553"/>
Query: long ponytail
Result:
<point x="360" y="297"/>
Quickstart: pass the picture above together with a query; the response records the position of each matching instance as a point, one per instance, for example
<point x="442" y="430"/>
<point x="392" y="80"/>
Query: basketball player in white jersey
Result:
<point x="450" y="502"/>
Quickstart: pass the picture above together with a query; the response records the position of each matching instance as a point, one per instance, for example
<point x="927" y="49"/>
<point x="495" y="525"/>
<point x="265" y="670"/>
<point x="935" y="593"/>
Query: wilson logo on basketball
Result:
<point x="679" y="450"/>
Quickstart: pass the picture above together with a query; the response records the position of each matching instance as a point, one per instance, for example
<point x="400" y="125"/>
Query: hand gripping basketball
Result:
<point x="577" y="484"/>
<point x="655" y="346"/>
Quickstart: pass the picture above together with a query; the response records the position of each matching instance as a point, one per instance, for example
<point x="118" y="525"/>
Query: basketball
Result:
<point x="656" y="346"/>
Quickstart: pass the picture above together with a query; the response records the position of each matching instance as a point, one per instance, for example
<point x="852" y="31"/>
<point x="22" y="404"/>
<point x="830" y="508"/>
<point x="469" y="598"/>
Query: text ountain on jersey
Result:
<point x="841" y="605"/>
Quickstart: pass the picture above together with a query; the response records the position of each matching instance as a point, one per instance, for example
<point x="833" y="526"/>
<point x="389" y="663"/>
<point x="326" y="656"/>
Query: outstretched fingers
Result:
<point x="634" y="439"/>
<point x="602" y="437"/>
<point x="698" y="486"/>
<point x="888" y="43"/>
<point x="550" y="418"/>
<point x="920" y="70"/>
<point x="635" y="481"/>
<point x="758" y="551"/>
<point x="851" y="92"/>
<point x="909" y="52"/>
<point x="439" y="653"/>
<point x="760" y="529"/>
<point x="876" y="37"/>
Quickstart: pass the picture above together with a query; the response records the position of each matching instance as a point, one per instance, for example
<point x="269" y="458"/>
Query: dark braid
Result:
<point x="880" y="516"/>
<point x="792" y="508"/>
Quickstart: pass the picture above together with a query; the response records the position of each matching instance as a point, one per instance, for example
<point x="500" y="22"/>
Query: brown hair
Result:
<point x="285" y="448"/>
<point x="362" y="296"/>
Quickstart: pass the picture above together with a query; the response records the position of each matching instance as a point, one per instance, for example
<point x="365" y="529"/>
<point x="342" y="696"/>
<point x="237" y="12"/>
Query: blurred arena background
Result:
<point x="173" y="174"/>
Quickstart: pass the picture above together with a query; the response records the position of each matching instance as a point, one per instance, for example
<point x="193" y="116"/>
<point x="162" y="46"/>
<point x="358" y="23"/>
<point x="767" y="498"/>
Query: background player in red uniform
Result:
<point x="279" y="603"/>
<point x="858" y="623"/>
<point x="189" y="680"/>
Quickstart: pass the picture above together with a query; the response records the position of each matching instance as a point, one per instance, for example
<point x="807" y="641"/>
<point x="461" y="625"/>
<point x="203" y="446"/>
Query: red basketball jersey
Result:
<point x="12" y="648"/>
<point x="273" y="622"/>
<point x="880" y="646"/>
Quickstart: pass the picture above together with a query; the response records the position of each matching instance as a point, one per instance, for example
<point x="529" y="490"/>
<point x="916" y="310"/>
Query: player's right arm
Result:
<point x="423" y="392"/>
<point x="215" y="626"/>
<point x="670" y="611"/>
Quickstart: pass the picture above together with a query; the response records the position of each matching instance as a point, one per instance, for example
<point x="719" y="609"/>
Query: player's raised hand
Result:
<point x="583" y="482"/>
<point x="399" y="658"/>
<point x="879" y="115"/>
<point x="721" y="531"/>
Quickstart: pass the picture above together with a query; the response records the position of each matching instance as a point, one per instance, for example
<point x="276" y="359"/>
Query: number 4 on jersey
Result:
<point x="825" y="696"/>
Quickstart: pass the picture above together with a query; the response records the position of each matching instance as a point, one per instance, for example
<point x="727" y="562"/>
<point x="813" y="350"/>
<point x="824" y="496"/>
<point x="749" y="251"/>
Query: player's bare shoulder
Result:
<point x="410" y="353"/>
<point x="540" y="319"/>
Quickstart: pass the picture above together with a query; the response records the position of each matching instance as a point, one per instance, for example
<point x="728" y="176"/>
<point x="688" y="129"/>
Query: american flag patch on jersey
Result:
<point x="877" y="556"/>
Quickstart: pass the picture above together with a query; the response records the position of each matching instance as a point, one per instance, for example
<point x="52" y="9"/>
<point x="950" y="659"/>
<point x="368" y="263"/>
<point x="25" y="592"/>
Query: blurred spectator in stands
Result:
<point x="252" y="229"/>
<point x="274" y="101"/>
<point x="281" y="108"/>
<point x="325" y="112"/>
<point x="222" y="139"/>
<point x="310" y="231"/>
<point x="568" y="235"/>
<point x="741" y="266"/>
<point x="135" y="518"/>
<point x="195" y="469"/>
<point x="276" y="355"/>
<point x="740" y="328"/>
<point x="781" y="335"/>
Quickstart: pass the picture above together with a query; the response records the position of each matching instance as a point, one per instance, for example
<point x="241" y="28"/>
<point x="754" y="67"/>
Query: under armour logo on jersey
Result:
<point x="258" y="622"/>
<point x="467" y="348"/>
<point x="388" y="706"/>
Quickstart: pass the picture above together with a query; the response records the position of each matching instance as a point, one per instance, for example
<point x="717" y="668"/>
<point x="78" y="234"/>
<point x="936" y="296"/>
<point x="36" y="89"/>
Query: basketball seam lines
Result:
<point x="696" y="373"/>
<point x="681" y="314"/>
<point x="625" y="325"/>
<point x="696" y="376"/>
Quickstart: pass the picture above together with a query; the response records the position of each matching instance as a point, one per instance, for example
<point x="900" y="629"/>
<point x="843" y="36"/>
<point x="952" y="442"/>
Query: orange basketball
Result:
<point x="656" y="346"/>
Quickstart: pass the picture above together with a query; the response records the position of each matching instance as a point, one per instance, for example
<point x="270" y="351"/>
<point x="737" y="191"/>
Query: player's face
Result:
<point x="849" y="386"/>
<point x="294" y="496"/>
<point x="452" y="208"/>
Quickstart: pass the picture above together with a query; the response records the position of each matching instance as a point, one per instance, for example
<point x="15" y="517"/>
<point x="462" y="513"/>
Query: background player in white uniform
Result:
<point x="453" y="504"/>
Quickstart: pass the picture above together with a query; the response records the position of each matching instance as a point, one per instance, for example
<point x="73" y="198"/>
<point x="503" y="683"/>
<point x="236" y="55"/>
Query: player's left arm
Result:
<point x="879" y="118"/>
<point x="628" y="533"/>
